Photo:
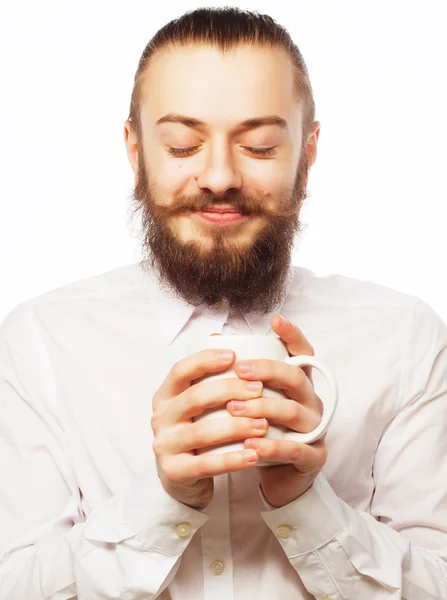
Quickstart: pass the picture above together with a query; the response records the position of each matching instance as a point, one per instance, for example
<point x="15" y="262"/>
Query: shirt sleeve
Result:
<point x="48" y="549"/>
<point x="398" y="551"/>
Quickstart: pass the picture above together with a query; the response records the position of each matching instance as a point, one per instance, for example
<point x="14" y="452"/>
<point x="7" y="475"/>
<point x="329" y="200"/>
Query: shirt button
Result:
<point x="217" y="567"/>
<point x="325" y="598"/>
<point x="183" y="529"/>
<point x="284" y="531"/>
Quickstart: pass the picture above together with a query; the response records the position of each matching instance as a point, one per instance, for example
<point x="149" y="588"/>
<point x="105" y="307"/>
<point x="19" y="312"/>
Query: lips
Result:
<point x="220" y="216"/>
<point x="221" y="210"/>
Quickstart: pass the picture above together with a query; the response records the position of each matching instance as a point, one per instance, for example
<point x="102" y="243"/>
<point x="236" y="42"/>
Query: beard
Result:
<point x="251" y="276"/>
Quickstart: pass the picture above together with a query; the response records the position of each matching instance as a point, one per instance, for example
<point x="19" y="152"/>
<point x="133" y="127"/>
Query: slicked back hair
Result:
<point x="225" y="28"/>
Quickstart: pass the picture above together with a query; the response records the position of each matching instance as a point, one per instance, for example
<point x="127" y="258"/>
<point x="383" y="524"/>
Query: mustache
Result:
<point x="245" y="205"/>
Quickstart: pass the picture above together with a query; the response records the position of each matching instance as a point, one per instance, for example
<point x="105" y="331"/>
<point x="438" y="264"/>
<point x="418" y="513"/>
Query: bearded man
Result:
<point x="104" y="492"/>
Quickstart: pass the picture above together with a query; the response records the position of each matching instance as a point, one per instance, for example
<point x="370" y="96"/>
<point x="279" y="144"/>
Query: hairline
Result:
<point x="223" y="48"/>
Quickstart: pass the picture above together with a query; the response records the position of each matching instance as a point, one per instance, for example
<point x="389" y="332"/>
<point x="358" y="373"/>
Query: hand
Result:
<point x="186" y="476"/>
<point x="301" y="411"/>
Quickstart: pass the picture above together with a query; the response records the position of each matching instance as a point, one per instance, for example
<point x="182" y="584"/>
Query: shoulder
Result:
<point x="340" y="291"/>
<point x="127" y="283"/>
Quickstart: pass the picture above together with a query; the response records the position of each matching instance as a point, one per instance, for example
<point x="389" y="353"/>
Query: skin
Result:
<point x="222" y="91"/>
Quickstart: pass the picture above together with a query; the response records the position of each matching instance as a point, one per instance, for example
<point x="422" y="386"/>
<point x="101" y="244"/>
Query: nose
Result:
<point x="219" y="175"/>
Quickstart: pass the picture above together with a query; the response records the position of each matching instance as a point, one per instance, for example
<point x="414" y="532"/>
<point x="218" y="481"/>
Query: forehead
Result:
<point x="220" y="88"/>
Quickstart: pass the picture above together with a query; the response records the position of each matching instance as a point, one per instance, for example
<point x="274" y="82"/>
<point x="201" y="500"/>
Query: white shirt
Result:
<point x="83" y="513"/>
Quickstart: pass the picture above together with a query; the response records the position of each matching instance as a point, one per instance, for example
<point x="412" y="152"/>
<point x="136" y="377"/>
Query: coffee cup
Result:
<point x="252" y="347"/>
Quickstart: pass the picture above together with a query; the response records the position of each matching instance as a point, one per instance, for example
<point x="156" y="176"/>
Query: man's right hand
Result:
<point x="185" y="476"/>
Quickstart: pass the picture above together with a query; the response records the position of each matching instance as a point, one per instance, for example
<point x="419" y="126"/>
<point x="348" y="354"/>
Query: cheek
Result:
<point x="282" y="185"/>
<point x="175" y="174"/>
<point x="273" y="188"/>
<point x="170" y="177"/>
<point x="270" y="177"/>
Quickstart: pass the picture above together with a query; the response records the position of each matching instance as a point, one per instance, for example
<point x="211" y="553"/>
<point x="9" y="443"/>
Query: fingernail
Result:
<point x="225" y="355"/>
<point x="237" y="405"/>
<point x="286" y="322"/>
<point x="254" y="386"/>
<point x="259" y="423"/>
<point x="250" y="455"/>
<point x="254" y="443"/>
<point x="244" y="367"/>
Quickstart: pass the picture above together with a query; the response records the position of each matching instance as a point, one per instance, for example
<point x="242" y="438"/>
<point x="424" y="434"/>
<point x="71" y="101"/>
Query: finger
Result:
<point x="188" y="369"/>
<point x="281" y="376"/>
<point x="292" y="336"/>
<point x="206" y="433"/>
<point x="294" y="339"/>
<point x="277" y="411"/>
<point x="187" y="469"/>
<point x="204" y="395"/>
<point x="306" y="458"/>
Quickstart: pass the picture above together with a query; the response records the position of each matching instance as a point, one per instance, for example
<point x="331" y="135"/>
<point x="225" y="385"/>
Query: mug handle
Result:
<point x="329" y="404"/>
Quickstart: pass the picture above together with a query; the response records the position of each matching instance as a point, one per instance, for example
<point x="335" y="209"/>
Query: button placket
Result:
<point x="216" y="545"/>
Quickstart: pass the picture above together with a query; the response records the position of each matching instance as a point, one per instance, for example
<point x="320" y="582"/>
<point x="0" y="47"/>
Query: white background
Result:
<point x="378" y="189"/>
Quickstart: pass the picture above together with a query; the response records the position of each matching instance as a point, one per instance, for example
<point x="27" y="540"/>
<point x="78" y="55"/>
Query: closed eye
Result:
<point x="261" y="151"/>
<point x="182" y="151"/>
<point x="253" y="151"/>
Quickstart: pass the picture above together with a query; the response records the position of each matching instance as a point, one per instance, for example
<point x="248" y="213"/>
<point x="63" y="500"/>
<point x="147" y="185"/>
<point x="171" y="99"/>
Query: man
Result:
<point x="102" y="493"/>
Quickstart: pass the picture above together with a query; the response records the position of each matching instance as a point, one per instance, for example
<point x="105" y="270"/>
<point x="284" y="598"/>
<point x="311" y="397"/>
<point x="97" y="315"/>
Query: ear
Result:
<point x="312" y="143"/>
<point x="130" y="139"/>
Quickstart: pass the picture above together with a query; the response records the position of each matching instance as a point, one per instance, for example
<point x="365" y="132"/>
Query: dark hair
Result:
<point x="225" y="28"/>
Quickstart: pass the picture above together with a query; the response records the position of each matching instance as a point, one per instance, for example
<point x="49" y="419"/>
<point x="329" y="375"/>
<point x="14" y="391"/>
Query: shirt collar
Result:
<point x="173" y="313"/>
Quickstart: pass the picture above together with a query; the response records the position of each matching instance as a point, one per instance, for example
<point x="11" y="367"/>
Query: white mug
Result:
<point x="252" y="347"/>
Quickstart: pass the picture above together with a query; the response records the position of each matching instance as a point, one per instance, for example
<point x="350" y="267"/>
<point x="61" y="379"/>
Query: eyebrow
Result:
<point x="245" y="125"/>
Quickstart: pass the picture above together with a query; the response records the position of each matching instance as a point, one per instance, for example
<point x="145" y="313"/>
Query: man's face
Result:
<point x="221" y="171"/>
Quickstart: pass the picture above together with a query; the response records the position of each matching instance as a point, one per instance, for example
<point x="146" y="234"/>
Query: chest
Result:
<point x="107" y="399"/>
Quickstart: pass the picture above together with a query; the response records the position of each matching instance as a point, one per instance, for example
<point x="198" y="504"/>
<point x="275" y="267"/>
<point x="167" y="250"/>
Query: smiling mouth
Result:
<point x="220" y="216"/>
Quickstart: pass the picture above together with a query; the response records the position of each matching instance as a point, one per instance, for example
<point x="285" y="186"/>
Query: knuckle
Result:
<point x="231" y="388"/>
<point x="226" y="387"/>
<point x="297" y="454"/>
<point x="201" y="471"/>
<point x="170" y="472"/>
<point x="199" y="435"/>
<point x="229" y="460"/>
<point x="320" y="405"/>
<point x="177" y="369"/>
<point x="296" y="411"/>
<point x="299" y="377"/>
<point x="258" y="408"/>
<point x="274" y="448"/>
<point x="155" y="399"/>
<point x="235" y="387"/>
<point x="155" y="422"/>
<point x="243" y="426"/>
<point x="157" y="447"/>
<point x="190" y="398"/>
<point x="198" y="469"/>
<point x="262" y="406"/>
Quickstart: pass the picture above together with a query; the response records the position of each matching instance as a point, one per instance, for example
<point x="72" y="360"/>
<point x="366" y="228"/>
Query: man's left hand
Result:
<point x="300" y="411"/>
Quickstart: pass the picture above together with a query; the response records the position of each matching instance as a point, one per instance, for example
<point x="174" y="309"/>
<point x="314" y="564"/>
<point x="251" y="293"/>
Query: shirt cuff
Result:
<point x="159" y="519"/>
<point x="147" y="512"/>
<point x="307" y="523"/>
